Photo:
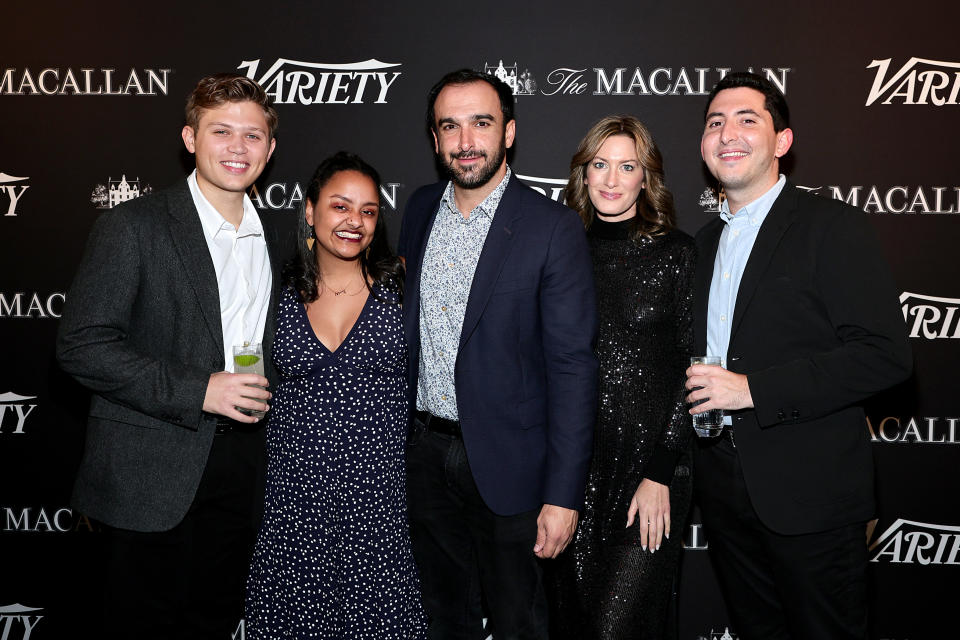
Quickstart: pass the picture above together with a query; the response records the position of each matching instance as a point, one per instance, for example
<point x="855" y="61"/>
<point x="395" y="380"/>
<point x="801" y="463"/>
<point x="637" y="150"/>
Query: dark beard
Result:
<point x="482" y="175"/>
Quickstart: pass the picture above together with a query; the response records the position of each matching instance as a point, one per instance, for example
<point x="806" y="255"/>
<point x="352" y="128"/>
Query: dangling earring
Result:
<point x="310" y="240"/>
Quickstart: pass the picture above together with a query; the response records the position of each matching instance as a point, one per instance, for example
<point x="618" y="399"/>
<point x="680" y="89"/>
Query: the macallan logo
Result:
<point x="719" y="635"/>
<point x="553" y="188"/>
<point x="930" y="317"/>
<point x="896" y="199"/>
<point x="923" y="430"/>
<point x="17" y="621"/>
<point x="521" y="82"/>
<point x="11" y="188"/>
<point x="14" y="410"/>
<point x="278" y="196"/>
<point x="46" y="520"/>
<point x="84" y="82"/>
<point x="669" y="81"/>
<point x="918" y="81"/>
<point x="711" y="200"/>
<point x="910" y="542"/>
<point x="114" y="192"/>
<point x="296" y="82"/>
<point x="31" y="305"/>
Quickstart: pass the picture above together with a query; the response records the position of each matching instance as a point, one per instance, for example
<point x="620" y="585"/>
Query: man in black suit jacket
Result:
<point x="168" y="285"/>
<point x="500" y="319"/>
<point x="792" y="294"/>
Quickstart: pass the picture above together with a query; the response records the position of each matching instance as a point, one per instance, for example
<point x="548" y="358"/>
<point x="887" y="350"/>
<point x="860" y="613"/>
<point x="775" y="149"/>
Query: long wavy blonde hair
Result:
<point x="655" y="212"/>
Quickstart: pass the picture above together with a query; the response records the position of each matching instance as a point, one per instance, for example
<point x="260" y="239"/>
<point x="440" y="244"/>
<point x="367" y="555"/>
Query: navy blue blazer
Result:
<point x="526" y="372"/>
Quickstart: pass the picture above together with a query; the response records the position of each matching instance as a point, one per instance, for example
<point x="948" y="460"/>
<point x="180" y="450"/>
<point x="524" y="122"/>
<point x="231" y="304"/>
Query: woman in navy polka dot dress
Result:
<point x="333" y="558"/>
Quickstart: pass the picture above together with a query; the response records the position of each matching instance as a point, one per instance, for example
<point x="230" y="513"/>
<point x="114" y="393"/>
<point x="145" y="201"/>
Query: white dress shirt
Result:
<point x="242" y="265"/>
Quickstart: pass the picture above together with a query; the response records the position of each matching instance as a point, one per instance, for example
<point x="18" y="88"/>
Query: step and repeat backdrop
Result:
<point x="92" y="98"/>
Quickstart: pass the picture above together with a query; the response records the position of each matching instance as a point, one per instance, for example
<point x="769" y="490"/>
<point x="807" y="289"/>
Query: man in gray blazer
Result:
<point x="168" y="285"/>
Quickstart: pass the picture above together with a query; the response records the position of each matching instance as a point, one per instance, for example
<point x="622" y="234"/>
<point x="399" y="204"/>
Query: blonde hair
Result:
<point x="655" y="212"/>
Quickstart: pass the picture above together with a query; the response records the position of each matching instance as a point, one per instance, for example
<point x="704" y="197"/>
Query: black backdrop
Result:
<point x="91" y="96"/>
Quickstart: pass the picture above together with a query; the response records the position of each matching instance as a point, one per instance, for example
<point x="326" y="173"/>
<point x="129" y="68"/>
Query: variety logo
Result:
<point x="897" y="199"/>
<point x="17" y="621"/>
<point x="930" y="317"/>
<point x="925" y="430"/>
<point x="295" y="82"/>
<point x="14" y="411"/>
<point x="41" y="520"/>
<point x="719" y="635"/>
<point x="909" y="542"/>
<point x="919" y="81"/>
<point x="84" y="82"/>
<point x="281" y="195"/>
<point x="553" y="188"/>
<point x="523" y="84"/>
<point x="31" y="305"/>
<point x="12" y="191"/>
<point x="109" y="195"/>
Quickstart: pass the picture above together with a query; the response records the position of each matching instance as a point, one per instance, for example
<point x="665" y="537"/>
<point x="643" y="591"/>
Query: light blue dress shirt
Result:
<point x="733" y="251"/>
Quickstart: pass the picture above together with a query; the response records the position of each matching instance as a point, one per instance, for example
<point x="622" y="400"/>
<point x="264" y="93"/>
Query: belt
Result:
<point x="228" y="425"/>
<point x="439" y="425"/>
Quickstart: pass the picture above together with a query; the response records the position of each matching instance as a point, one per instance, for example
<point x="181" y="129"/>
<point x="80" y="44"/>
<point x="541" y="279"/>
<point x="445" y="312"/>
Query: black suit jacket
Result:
<point x="141" y="329"/>
<point x="525" y="372"/>
<point x="817" y="329"/>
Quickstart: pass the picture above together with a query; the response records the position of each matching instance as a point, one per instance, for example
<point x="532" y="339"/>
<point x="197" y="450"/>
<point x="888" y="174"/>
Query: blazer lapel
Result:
<point x="191" y="245"/>
<point x="411" y="296"/>
<point x="496" y="248"/>
<point x="778" y="220"/>
<point x="709" y="241"/>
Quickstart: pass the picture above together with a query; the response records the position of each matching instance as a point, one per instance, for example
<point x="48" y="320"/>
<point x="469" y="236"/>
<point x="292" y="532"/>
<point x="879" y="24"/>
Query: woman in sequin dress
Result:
<point x="615" y="580"/>
<point x="333" y="557"/>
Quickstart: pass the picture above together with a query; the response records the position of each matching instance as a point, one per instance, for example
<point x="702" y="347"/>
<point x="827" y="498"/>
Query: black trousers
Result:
<point x="190" y="582"/>
<point x="779" y="587"/>
<point x="466" y="553"/>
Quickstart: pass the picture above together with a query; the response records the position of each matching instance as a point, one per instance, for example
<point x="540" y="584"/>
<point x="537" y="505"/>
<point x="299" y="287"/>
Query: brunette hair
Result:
<point x="220" y="88"/>
<point x="773" y="99"/>
<point x="655" y="212"/>
<point x="377" y="263"/>
<point x="469" y="76"/>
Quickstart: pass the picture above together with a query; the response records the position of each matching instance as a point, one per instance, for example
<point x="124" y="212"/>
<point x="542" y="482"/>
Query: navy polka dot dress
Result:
<point x="333" y="557"/>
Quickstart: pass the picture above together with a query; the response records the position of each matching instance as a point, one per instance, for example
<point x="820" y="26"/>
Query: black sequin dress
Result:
<point x="605" y="585"/>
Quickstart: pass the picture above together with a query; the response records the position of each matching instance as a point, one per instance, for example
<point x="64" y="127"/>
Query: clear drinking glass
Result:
<point x="708" y="424"/>
<point x="248" y="358"/>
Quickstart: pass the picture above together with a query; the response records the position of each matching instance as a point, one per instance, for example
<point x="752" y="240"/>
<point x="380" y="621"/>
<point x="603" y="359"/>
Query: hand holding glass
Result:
<point x="248" y="358"/>
<point x="708" y="424"/>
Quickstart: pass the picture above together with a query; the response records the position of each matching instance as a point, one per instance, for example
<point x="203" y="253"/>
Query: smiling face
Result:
<point x="470" y="136"/>
<point x="614" y="179"/>
<point x="344" y="217"/>
<point x="232" y="145"/>
<point x="740" y="146"/>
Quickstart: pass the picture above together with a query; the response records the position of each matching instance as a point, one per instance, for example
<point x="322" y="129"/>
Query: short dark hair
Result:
<point x="377" y="263"/>
<point x="467" y="76"/>
<point x="773" y="100"/>
<point x="220" y="88"/>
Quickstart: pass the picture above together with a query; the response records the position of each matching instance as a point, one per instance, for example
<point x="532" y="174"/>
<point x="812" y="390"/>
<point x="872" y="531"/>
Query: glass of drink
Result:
<point x="708" y="424"/>
<point x="248" y="358"/>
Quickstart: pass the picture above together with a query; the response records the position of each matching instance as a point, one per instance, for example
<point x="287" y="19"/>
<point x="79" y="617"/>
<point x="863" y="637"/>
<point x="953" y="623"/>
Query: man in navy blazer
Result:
<point x="792" y="293"/>
<point x="500" y="320"/>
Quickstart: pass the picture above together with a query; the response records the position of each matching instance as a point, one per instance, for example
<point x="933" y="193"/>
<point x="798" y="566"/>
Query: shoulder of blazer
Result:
<point x="530" y="202"/>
